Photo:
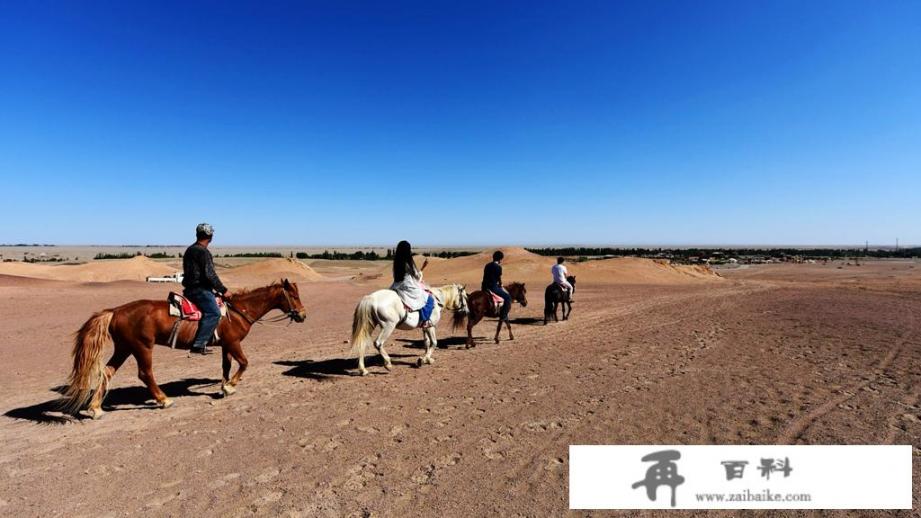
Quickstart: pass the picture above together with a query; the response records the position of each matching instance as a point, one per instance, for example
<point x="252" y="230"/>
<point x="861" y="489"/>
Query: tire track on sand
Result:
<point x="798" y="427"/>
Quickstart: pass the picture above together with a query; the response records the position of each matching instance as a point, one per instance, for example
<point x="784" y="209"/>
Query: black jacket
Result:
<point x="198" y="270"/>
<point x="492" y="276"/>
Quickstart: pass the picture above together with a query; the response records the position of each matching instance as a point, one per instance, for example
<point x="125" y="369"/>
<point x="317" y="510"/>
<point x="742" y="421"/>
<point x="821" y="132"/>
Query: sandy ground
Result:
<point x="776" y="354"/>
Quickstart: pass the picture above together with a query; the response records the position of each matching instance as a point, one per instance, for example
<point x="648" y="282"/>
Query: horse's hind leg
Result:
<point x="499" y="328"/>
<point x="387" y="330"/>
<point x="119" y="356"/>
<point x="471" y="321"/>
<point x="509" y="326"/>
<point x="143" y="354"/>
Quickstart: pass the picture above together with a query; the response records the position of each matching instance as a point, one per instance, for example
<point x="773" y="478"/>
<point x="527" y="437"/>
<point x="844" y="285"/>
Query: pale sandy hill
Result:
<point x="635" y="270"/>
<point x="269" y="270"/>
<point x="134" y="269"/>
<point x="518" y="265"/>
<point x="523" y="266"/>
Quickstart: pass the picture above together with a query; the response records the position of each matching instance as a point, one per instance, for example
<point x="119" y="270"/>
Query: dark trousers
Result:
<point x="210" y="314"/>
<point x="506" y="301"/>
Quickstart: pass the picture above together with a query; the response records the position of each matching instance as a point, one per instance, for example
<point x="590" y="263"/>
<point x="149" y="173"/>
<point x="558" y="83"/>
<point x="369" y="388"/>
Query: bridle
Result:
<point x="291" y="314"/>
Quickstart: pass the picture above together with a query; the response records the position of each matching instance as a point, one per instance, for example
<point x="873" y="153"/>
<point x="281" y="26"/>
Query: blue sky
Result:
<point x="461" y="122"/>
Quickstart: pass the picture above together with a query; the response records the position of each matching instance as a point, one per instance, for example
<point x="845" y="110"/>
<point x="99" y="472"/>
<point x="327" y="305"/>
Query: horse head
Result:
<point x="291" y="304"/>
<point x="519" y="293"/>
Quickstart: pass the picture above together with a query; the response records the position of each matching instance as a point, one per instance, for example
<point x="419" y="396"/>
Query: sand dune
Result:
<point x="267" y="271"/>
<point x="521" y="265"/>
<point x="134" y="269"/>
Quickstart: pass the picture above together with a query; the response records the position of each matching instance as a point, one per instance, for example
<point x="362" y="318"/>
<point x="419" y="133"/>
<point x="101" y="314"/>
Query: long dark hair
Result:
<point x="403" y="261"/>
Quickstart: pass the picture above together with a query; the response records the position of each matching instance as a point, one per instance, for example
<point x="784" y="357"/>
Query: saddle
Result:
<point x="185" y="309"/>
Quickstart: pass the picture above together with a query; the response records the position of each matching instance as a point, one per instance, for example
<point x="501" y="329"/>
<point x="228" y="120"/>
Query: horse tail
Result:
<point x="363" y="323"/>
<point x="459" y="321"/>
<point x="88" y="372"/>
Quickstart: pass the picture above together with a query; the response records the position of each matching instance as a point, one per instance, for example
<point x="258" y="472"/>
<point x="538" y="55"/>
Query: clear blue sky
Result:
<point x="461" y="122"/>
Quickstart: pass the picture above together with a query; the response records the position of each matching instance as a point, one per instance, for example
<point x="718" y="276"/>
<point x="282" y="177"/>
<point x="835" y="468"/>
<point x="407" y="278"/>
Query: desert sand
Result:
<point x="809" y="354"/>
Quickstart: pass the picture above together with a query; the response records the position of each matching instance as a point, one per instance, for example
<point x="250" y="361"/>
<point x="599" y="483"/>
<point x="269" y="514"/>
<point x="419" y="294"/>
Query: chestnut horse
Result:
<point x="134" y="328"/>
<point x="479" y="304"/>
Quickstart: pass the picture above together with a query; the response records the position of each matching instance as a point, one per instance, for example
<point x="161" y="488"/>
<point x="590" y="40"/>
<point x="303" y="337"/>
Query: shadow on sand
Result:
<point x="443" y="343"/>
<point x="125" y="398"/>
<point x="322" y="370"/>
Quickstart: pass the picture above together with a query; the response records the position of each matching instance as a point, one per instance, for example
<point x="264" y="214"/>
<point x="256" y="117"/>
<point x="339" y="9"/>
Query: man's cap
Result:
<point x="204" y="229"/>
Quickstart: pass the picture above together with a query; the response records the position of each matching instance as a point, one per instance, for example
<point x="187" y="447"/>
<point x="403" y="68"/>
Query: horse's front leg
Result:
<point x="226" y="363"/>
<point x="386" y="331"/>
<point x="498" y="328"/>
<point x="431" y="341"/>
<point x="236" y="352"/>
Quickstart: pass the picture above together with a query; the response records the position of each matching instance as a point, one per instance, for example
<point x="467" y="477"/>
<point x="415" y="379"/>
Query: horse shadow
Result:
<point x="323" y="370"/>
<point x="526" y="321"/>
<point x="443" y="343"/>
<point x="125" y="398"/>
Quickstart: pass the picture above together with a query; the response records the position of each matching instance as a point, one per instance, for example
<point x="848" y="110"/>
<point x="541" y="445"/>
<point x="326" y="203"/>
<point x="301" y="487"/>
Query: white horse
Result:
<point x="384" y="308"/>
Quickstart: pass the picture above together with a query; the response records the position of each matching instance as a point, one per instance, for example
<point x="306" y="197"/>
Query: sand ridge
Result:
<point x="524" y="266"/>
<point x="134" y="269"/>
<point x="269" y="270"/>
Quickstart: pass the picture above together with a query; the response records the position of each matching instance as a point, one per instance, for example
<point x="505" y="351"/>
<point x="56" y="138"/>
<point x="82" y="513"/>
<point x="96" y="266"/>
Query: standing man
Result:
<point x="560" y="273"/>
<point x="492" y="281"/>
<point x="200" y="282"/>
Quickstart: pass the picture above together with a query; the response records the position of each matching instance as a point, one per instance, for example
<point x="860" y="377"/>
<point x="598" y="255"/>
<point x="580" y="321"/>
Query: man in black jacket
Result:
<point x="492" y="281"/>
<point x="200" y="282"/>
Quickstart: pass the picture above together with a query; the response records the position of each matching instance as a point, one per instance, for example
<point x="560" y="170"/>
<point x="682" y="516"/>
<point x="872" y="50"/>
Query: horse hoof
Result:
<point x="363" y="372"/>
<point x="228" y="390"/>
<point x="419" y="362"/>
<point x="166" y="403"/>
<point x="96" y="413"/>
<point x="430" y="361"/>
<point x="388" y="366"/>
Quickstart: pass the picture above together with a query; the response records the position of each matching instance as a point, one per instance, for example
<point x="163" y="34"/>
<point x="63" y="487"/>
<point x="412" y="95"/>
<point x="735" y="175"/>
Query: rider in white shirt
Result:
<point x="560" y="273"/>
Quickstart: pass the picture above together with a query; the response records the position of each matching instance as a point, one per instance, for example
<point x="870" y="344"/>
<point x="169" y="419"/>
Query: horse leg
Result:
<point x="119" y="356"/>
<point x="428" y="336"/>
<point x="556" y="307"/>
<point x="386" y="331"/>
<point x="144" y="357"/>
<point x="471" y="321"/>
<point x="242" y="362"/>
<point x="498" y="328"/>
<point x="509" y="326"/>
<point x="226" y="363"/>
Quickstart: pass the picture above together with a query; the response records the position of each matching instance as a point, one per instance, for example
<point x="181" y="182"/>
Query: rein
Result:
<point x="261" y="320"/>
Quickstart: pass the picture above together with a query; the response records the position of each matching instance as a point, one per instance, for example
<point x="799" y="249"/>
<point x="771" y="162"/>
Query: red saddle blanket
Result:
<point x="185" y="309"/>
<point x="497" y="301"/>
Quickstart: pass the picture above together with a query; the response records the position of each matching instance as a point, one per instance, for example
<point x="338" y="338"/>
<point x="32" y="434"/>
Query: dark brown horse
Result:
<point x="134" y="328"/>
<point x="479" y="305"/>
<point x="554" y="298"/>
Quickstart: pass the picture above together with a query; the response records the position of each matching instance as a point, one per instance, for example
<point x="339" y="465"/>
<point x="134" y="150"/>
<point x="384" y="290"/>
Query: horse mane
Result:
<point x="246" y="292"/>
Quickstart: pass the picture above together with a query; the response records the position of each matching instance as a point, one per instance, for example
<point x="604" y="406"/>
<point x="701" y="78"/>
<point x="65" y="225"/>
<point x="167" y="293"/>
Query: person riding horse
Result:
<point x="559" y="273"/>
<point x="492" y="282"/>
<point x="200" y="282"/>
<point x="407" y="282"/>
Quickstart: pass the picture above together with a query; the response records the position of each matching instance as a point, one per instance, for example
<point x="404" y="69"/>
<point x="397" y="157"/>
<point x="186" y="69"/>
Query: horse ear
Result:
<point x="285" y="283"/>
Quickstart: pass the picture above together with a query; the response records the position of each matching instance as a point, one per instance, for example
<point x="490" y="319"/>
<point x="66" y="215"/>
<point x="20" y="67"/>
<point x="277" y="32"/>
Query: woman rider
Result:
<point x="407" y="282"/>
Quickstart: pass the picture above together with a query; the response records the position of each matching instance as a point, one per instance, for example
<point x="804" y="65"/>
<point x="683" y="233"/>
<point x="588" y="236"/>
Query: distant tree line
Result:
<point x="128" y="255"/>
<point x="687" y="253"/>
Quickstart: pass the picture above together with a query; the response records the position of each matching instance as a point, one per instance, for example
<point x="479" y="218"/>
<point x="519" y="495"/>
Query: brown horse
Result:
<point x="135" y="327"/>
<point x="554" y="298"/>
<point x="479" y="305"/>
